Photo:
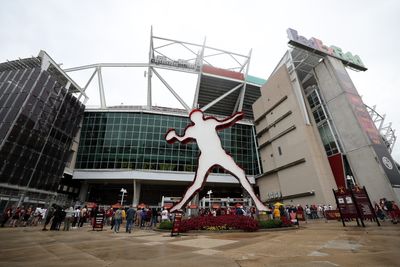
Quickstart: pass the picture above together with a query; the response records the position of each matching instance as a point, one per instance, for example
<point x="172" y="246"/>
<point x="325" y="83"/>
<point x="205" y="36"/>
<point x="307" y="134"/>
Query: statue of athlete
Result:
<point x="204" y="131"/>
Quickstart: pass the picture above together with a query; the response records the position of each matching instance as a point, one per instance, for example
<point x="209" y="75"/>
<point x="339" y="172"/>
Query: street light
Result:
<point x="123" y="191"/>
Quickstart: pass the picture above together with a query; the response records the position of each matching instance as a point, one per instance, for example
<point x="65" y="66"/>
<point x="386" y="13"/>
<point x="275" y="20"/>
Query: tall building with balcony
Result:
<point x="315" y="133"/>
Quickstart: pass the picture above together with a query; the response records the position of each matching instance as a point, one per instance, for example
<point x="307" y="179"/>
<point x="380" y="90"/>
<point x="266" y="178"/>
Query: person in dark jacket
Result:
<point x="6" y="215"/>
<point x="50" y="215"/>
<point x="130" y="216"/>
<point x="59" y="215"/>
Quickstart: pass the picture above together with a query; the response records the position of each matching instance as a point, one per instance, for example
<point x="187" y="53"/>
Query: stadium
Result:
<point x="294" y="142"/>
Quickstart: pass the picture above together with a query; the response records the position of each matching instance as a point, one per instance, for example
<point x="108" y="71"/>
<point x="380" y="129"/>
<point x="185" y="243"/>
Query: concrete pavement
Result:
<point x="314" y="244"/>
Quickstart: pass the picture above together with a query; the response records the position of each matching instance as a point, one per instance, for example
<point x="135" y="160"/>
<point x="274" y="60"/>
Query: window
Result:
<point x="141" y="144"/>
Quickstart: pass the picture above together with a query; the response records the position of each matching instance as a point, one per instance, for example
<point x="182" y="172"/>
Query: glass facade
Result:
<point x="321" y="119"/>
<point x="135" y="140"/>
<point x="38" y="120"/>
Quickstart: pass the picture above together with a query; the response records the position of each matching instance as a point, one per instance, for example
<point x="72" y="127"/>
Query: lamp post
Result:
<point x="209" y="197"/>
<point x="123" y="191"/>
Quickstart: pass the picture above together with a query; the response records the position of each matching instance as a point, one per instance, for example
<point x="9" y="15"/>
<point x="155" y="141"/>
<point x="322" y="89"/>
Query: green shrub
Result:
<point x="166" y="225"/>
<point x="270" y="224"/>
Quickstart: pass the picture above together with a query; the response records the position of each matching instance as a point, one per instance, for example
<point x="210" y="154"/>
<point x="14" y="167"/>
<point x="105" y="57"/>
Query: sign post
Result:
<point x="355" y="204"/>
<point x="176" y="226"/>
<point x="346" y="205"/>
<point x="364" y="205"/>
<point x="98" y="221"/>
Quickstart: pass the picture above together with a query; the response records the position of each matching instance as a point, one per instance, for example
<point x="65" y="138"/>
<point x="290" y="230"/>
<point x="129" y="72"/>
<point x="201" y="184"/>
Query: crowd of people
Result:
<point x="143" y="218"/>
<point x="64" y="218"/>
<point x="22" y="216"/>
<point x="387" y="210"/>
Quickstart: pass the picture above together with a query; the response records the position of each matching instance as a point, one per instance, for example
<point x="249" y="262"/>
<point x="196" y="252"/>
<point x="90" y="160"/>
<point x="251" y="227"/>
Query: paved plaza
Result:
<point x="314" y="244"/>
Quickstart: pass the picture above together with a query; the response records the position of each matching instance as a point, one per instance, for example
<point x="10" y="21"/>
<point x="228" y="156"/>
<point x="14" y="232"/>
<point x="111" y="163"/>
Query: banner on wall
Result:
<point x="367" y="125"/>
<point x="337" y="166"/>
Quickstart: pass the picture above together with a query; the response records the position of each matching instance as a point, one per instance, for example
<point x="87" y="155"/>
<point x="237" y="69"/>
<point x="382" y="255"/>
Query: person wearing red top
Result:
<point x="395" y="212"/>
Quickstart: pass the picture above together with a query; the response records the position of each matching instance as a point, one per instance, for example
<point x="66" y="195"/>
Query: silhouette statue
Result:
<point x="203" y="130"/>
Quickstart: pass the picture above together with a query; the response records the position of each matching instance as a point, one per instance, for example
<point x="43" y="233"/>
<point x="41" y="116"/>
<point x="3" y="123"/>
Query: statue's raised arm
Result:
<point x="228" y="122"/>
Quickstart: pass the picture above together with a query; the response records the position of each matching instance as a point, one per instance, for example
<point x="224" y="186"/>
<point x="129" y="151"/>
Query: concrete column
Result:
<point x="195" y="200"/>
<point x="136" y="192"/>
<point x="84" y="191"/>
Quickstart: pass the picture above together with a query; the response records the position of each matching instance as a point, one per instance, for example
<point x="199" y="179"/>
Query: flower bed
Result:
<point x="224" y="222"/>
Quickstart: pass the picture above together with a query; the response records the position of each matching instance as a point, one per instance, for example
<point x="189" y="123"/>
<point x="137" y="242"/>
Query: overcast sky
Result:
<point x="77" y="33"/>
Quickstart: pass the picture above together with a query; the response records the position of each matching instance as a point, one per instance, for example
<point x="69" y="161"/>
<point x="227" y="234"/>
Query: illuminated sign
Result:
<point x="180" y="63"/>
<point x="315" y="45"/>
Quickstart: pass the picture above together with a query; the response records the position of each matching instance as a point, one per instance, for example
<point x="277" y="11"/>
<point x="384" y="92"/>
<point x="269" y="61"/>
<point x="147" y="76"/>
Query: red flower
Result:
<point x="244" y="223"/>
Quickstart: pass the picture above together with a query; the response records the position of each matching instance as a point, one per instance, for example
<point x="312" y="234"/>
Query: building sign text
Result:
<point x="315" y="45"/>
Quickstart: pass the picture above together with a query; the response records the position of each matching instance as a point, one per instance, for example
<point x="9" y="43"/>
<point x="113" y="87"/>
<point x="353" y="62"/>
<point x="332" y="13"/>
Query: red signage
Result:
<point x="364" y="204"/>
<point x="354" y="204"/>
<point x="216" y="206"/>
<point x="177" y="224"/>
<point x="98" y="221"/>
<point x="336" y="162"/>
<point x="223" y="72"/>
<point x="168" y="205"/>
<point x="346" y="205"/>
<point x="332" y="214"/>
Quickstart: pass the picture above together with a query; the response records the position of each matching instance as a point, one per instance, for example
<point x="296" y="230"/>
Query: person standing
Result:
<point x="390" y="211"/>
<point x="77" y="213"/>
<point x="69" y="214"/>
<point x="109" y="215"/>
<point x="138" y="218"/>
<point x="154" y="215"/>
<point x="130" y="216"/>
<point x="164" y="215"/>
<point x="49" y="216"/>
<point x="117" y="220"/>
<point x="59" y="216"/>
<point x="143" y="215"/>
<point x="82" y="216"/>
<point x="15" y="218"/>
<point x="6" y="216"/>
<point x="277" y="213"/>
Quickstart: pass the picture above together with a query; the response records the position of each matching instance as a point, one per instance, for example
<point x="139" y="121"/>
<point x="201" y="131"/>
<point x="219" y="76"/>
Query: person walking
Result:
<point x="117" y="220"/>
<point x="143" y="215"/>
<point x="130" y="216"/>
